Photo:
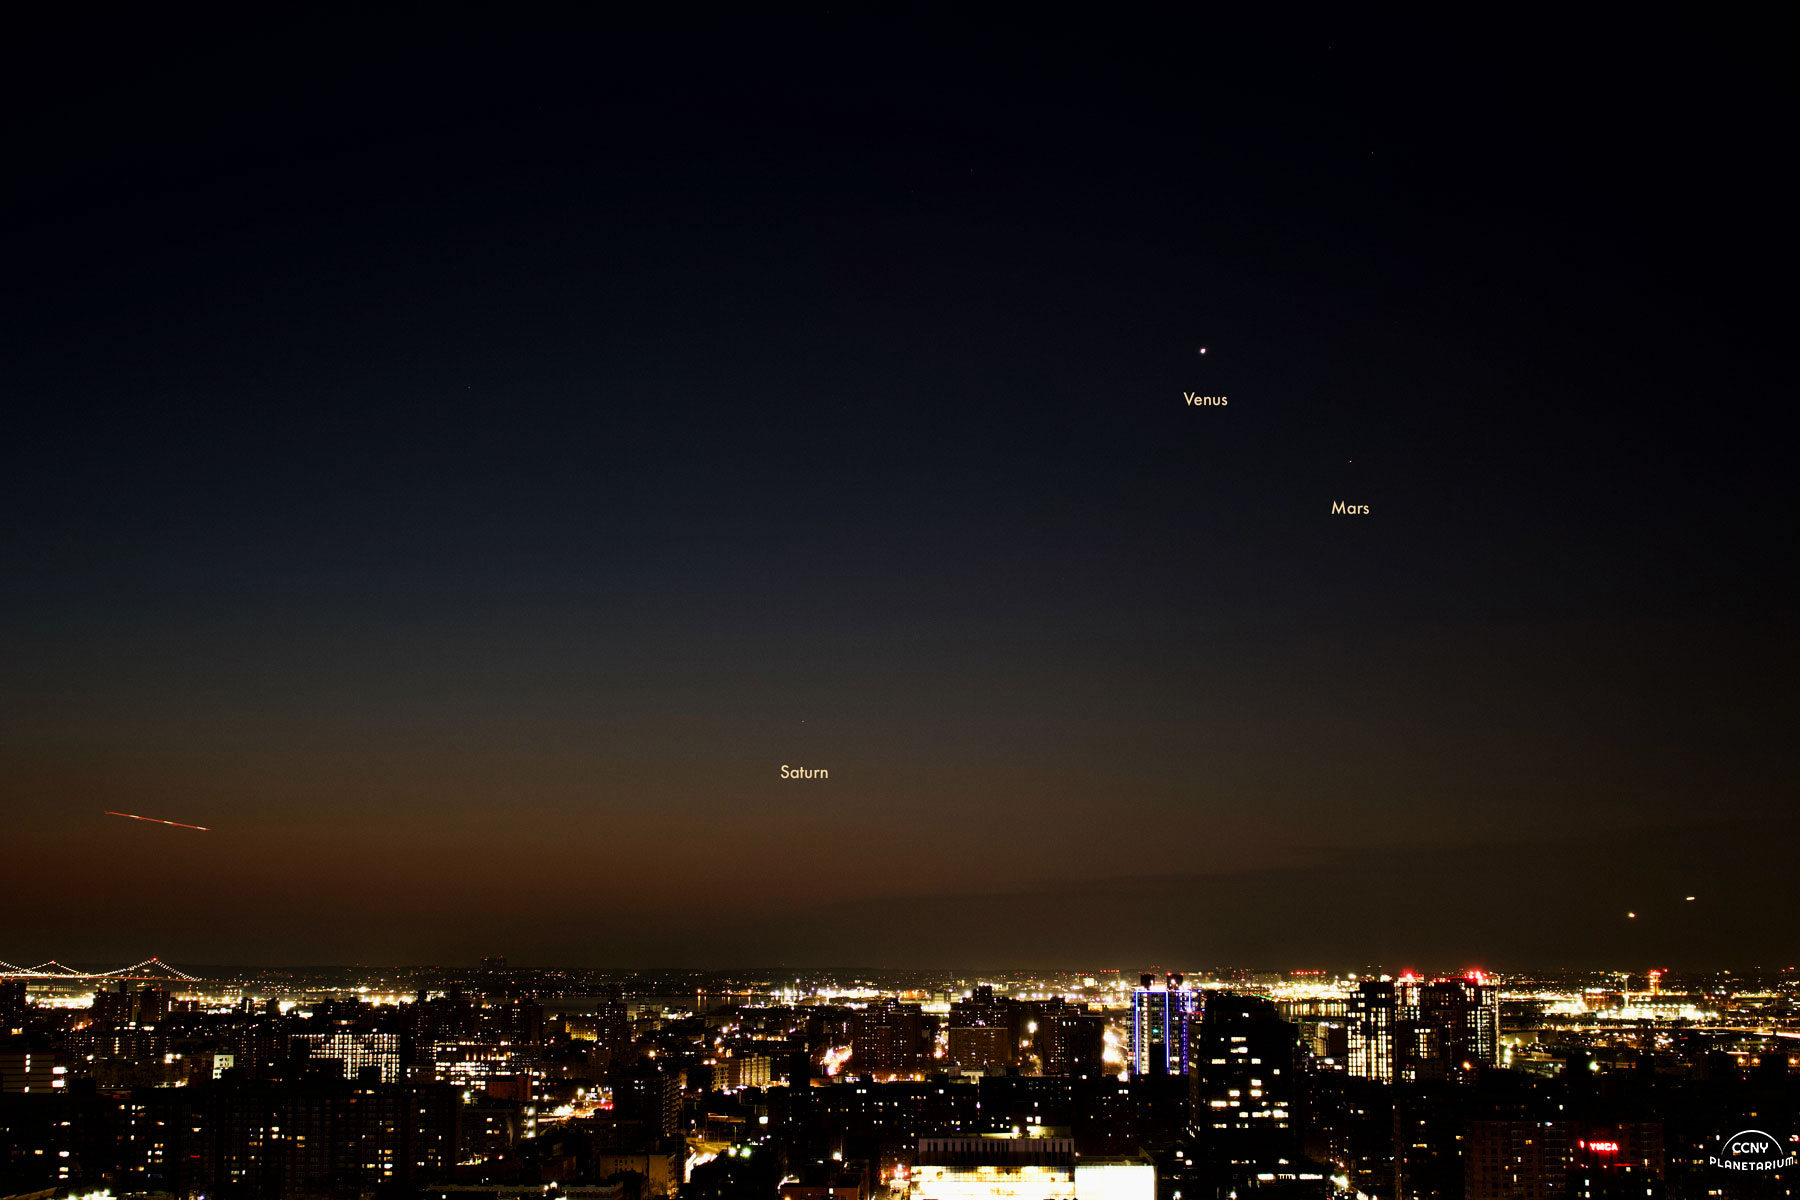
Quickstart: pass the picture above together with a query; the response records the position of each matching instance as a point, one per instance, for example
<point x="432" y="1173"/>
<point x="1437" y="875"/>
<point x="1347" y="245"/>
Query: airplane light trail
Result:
<point x="159" y="821"/>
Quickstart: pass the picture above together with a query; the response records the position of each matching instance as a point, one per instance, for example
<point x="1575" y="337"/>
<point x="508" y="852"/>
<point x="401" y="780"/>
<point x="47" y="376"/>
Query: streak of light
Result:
<point x="159" y="821"/>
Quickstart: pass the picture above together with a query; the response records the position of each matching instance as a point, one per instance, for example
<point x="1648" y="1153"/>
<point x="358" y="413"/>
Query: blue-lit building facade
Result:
<point x="1164" y="1018"/>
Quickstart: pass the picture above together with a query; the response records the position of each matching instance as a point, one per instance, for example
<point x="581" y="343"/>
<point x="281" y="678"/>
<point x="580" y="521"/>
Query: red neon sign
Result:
<point x="1604" y="1147"/>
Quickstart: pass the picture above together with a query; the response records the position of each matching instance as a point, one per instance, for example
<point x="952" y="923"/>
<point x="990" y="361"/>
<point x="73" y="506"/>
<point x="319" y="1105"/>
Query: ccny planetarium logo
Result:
<point x="1752" y="1150"/>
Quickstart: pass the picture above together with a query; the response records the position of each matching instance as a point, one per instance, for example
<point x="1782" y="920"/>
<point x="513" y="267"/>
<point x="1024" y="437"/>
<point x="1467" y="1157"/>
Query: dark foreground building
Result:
<point x="318" y="1138"/>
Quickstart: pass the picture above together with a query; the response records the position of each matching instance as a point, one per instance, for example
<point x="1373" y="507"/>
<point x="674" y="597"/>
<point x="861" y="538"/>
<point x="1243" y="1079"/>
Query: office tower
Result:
<point x="1162" y="1019"/>
<point x="1371" y="1016"/>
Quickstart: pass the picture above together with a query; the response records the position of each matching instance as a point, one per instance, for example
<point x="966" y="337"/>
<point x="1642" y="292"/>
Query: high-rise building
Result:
<point x="482" y="1064"/>
<point x="611" y="1026"/>
<point x="1410" y="1029"/>
<point x="120" y="1005"/>
<point x="741" y="1071"/>
<point x="358" y="1050"/>
<point x="1372" y="1014"/>
<point x="980" y="1048"/>
<point x="1619" y="1160"/>
<point x="13" y="1004"/>
<point x="887" y="1038"/>
<point x="651" y="1097"/>
<point x="1068" y="1039"/>
<point x="1163" y="1016"/>
<point x="1450" y="1028"/>
<point x="27" y="1065"/>
<point x="1324" y="1028"/>
<point x="984" y="1031"/>
<point x="514" y="1021"/>
<point x="1516" y="1159"/>
<point x="1429" y="1140"/>
<point x="318" y="1137"/>
<point x="1349" y="1121"/>
<point x="1244" y="1087"/>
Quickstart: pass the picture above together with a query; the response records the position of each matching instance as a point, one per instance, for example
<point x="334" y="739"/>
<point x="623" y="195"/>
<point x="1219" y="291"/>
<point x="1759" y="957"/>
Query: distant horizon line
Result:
<point x="768" y="969"/>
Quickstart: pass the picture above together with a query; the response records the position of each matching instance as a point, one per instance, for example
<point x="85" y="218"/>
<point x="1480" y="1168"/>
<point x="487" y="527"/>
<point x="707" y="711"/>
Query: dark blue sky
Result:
<point x="459" y="460"/>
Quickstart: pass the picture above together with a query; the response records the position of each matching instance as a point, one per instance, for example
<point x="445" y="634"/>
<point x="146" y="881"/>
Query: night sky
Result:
<point x="459" y="460"/>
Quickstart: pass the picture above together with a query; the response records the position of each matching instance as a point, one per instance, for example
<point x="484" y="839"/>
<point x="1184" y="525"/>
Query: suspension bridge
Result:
<point x="151" y="969"/>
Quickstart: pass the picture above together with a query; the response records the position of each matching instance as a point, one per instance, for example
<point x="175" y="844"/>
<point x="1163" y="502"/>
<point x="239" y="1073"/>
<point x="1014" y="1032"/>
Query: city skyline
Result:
<point x="896" y="1086"/>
